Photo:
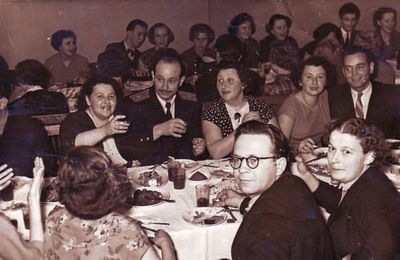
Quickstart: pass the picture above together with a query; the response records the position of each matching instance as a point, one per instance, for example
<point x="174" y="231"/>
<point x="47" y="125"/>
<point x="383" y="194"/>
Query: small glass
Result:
<point x="173" y="167"/>
<point x="180" y="179"/>
<point x="202" y="195"/>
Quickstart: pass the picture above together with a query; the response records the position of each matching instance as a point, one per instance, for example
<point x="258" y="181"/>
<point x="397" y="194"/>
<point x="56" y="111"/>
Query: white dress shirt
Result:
<point x="242" y="111"/>
<point x="163" y="103"/>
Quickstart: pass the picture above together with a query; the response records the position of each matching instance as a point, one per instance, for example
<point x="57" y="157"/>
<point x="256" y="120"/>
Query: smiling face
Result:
<point x="356" y="71"/>
<point x="255" y="181"/>
<point x="388" y="22"/>
<point x="229" y="85"/>
<point x="161" y="37"/>
<point x="346" y="157"/>
<point x="136" y="37"/>
<point x="348" y="22"/>
<point x="280" y="29"/>
<point x="200" y="42"/>
<point x="102" y="101"/>
<point x="313" y="80"/>
<point x="68" y="47"/>
<point x="167" y="79"/>
<point x="244" y="31"/>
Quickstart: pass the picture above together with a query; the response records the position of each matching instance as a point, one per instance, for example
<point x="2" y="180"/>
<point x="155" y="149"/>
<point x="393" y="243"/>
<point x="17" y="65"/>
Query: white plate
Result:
<point x="321" y="150"/>
<point x="134" y="176"/>
<point x="320" y="167"/>
<point x="185" y="163"/>
<point x="164" y="194"/>
<point x="201" y="215"/>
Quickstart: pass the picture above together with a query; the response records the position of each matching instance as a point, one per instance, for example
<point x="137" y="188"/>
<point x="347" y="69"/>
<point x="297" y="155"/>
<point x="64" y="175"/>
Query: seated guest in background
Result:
<point x="66" y="66"/>
<point x="30" y="95"/>
<point x="304" y="116"/>
<point x="349" y="15"/>
<point x="120" y="58"/>
<point x="160" y="35"/>
<point x="223" y="116"/>
<point x="3" y="65"/>
<point x="274" y="227"/>
<point x="364" y="214"/>
<point x="22" y="138"/>
<point x="12" y="246"/>
<point x="361" y="97"/>
<point x="197" y="57"/>
<point x="243" y="27"/>
<point x="95" y="123"/>
<point x="166" y="121"/>
<point x="89" y="227"/>
<point x="386" y="38"/>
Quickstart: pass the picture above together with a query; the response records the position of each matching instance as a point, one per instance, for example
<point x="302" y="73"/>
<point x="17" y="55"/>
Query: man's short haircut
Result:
<point x="33" y="73"/>
<point x="355" y="49"/>
<point x="378" y="14"/>
<point x="230" y="48"/>
<point x="171" y="36"/>
<point x="240" y="19"/>
<point x="349" y="8"/>
<point x="322" y="31"/>
<point x="281" y="146"/>
<point x="270" y="25"/>
<point x="201" y="28"/>
<point x="59" y="36"/>
<point x="171" y="58"/>
<point x="132" y="24"/>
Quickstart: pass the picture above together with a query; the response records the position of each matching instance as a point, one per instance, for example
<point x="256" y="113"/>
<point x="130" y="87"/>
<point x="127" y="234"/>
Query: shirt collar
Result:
<point x="163" y="102"/>
<point x="127" y="47"/>
<point x="344" y="33"/>
<point x="251" y="202"/>
<point x="366" y="92"/>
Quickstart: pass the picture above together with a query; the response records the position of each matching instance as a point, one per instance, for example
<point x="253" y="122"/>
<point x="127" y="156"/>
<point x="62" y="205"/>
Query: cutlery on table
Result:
<point x="227" y="209"/>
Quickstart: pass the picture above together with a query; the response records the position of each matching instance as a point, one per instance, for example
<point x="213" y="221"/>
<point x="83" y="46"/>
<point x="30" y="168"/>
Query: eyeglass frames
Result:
<point x="251" y="161"/>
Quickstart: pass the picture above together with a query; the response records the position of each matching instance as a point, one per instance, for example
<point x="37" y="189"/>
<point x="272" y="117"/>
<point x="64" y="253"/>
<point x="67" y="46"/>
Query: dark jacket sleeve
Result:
<point x="327" y="196"/>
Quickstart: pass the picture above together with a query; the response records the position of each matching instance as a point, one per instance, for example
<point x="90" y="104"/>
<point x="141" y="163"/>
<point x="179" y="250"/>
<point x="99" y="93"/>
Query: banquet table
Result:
<point x="192" y="241"/>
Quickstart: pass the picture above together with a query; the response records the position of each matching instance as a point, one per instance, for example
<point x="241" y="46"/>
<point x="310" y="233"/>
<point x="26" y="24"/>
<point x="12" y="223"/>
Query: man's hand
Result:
<point x="175" y="127"/>
<point x="229" y="198"/>
<point x="5" y="176"/>
<point x="199" y="146"/>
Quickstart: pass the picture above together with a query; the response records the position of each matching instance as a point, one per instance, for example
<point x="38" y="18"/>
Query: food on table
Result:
<point x="198" y="176"/>
<point x="224" y="184"/>
<point x="213" y="220"/>
<point x="146" y="197"/>
<point x="150" y="179"/>
<point x="15" y="206"/>
<point x="205" y="216"/>
<point x="188" y="165"/>
<point x="221" y="174"/>
<point x="322" y="169"/>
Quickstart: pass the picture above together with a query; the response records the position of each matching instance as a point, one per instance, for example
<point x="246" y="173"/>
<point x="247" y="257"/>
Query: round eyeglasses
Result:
<point x="251" y="161"/>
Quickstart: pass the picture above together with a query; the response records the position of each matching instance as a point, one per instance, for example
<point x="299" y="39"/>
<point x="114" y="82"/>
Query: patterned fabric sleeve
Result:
<point x="265" y="111"/>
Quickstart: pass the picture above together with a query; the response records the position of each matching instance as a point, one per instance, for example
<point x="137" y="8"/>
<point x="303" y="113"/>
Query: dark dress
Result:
<point x="290" y="59"/>
<point x="366" y="224"/>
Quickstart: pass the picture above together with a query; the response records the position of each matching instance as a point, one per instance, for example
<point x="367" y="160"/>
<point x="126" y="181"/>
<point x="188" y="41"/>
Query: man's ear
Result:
<point x="281" y="164"/>
<point x="371" y="67"/>
<point x="181" y="80"/>
<point x="3" y="103"/>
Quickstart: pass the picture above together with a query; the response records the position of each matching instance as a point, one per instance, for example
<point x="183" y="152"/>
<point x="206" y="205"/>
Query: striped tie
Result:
<point x="359" y="106"/>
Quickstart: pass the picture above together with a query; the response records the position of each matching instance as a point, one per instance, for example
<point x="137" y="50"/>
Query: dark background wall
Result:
<point x="26" y="25"/>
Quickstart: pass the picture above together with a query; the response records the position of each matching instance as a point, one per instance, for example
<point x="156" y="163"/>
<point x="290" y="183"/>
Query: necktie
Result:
<point x="359" y="106"/>
<point x="347" y="41"/>
<point x="168" y="113"/>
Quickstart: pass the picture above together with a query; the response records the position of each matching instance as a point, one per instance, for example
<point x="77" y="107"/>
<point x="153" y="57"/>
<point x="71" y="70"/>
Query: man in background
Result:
<point x="349" y="15"/>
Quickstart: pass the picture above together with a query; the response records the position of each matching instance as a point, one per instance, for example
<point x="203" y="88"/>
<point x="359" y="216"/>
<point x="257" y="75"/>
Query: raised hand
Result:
<point x="199" y="146"/>
<point x="306" y="146"/>
<point x="175" y="127"/>
<point x="36" y="186"/>
<point x="117" y="125"/>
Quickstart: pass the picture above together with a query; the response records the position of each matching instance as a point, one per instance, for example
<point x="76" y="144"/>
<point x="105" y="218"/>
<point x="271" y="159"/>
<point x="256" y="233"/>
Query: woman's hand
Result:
<point x="164" y="241"/>
<point x="199" y="146"/>
<point x="251" y="116"/>
<point x="116" y="126"/>
<point x="5" y="176"/>
<point x="229" y="198"/>
<point x="306" y="146"/>
<point x="36" y="186"/>
<point x="299" y="169"/>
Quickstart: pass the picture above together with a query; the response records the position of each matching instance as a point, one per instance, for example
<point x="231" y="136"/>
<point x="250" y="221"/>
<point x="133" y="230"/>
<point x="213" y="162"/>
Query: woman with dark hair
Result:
<point x="234" y="107"/>
<point x="66" y="65"/>
<point x="30" y="95"/>
<point x="243" y="27"/>
<point x="94" y="123"/>
<point x="364" y="213"/>
<point x="304" y="115"/>
<point x="160" y="35"/>
<point x="93" y="191"/>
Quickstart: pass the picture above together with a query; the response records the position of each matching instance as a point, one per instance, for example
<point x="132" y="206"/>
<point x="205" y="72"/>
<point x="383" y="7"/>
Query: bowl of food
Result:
<point x="205" y="216"/>
<point x="148" y="197"/>
<point x="148" y="178"/>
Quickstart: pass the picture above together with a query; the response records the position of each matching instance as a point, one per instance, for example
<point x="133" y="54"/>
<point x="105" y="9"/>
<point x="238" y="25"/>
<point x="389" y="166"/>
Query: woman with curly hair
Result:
<point x="364" y="212"/>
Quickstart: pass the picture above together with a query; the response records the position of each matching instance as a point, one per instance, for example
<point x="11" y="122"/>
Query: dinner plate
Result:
<point x="164" y="195"/>
<point x="185" y="163"/>
<point x="320" y="151"/>
<point x="147" y="177"/>
<point x="205" y="216"/>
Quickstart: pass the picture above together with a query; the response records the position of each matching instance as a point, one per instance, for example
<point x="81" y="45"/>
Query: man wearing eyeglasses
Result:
<point x="167" y="121"/>
<point x="281" y="219"/>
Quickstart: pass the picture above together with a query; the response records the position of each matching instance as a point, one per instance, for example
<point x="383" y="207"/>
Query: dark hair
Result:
<point x="6" y="82"/>
<point x="371" y="137"/>
<point x="135" y="22"/>
<point x="349" y="8"/>
<point x="90" y="185"/>
<point x="171" y="58"/>
<point x="201" y="28"/>
<point x="87" y="89"/>
<point x="171" y="36"/>
<point x="32" y="72"/>
<point x="270" y="25"/>
<point x="240" y="69"/>
<point x="378" y="14"/>
<point x="281" y="146"/>
<point x="59" y="36"/>
<point x="329" y="69"/>
<point x="240" y="19"/>
<point x="322" y="31"/>
<point x="230" y="48"/>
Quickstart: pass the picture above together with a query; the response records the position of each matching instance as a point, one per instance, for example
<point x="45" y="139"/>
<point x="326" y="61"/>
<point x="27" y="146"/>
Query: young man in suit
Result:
<point x="165" y="121"/>
<point x="281" y="218"/>
<point x="349" y="15"/>
<point x="364" y="98"/>
<point x="119" y="58"/>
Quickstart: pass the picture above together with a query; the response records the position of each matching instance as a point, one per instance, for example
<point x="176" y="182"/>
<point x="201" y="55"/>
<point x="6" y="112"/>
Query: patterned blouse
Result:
<point x="217" y="113"/>
<point x="113" y="236"/>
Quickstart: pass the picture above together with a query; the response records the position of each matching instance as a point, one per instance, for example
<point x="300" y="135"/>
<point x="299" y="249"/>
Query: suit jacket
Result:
<point x="383" y="108"/>
<point x="366" y="224"/>
<point x="144" y="111"/>
<point x="353" y="36"/>
<point x="115" y="62"/>
<point x="284" y="223"/>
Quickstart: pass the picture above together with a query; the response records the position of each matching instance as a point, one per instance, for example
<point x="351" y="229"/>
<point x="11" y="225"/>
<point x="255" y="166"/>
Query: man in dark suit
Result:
<point x="349" y="15"/>
<point x="360" y="97"/>
<point x="119" y="58"/>
<point x="281" y="218"/>
<point x="165" y="122"/>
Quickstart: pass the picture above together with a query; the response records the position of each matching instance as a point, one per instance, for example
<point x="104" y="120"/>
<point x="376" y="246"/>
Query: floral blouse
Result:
<point x="113" y="236"/>
<point x="217" y="113"/>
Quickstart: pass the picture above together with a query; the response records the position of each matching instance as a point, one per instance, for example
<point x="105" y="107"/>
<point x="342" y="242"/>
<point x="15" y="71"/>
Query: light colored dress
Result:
<point x="113" y="236"/>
